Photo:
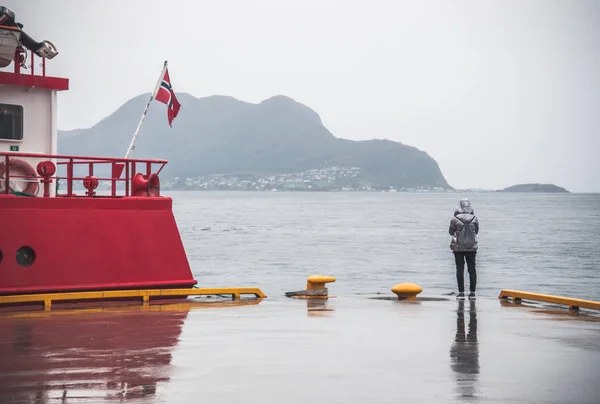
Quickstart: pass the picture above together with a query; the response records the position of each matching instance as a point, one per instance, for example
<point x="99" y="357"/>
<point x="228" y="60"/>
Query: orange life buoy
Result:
<point x="22" y="169"/>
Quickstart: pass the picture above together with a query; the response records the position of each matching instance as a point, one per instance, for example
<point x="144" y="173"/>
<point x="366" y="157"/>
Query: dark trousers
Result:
<point x="460" y="257"/>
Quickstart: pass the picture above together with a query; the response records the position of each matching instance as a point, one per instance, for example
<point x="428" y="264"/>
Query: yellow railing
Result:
<point x="575" y="304"/>
<point x="144" y="295"/>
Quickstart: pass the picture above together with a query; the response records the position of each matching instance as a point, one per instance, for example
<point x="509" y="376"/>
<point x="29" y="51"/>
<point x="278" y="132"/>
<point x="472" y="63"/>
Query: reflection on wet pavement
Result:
<point x="318" y="307"/>
<point x="464" y="352"/>
<point x="75" y="356"/>
<point x="281" y="350"/>
<point x="90" y="354"/>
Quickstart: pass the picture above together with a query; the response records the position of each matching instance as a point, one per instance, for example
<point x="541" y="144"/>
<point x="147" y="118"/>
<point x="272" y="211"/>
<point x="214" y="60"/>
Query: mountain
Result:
<point x="220" y="134"/>
<point x="535" y="188"/>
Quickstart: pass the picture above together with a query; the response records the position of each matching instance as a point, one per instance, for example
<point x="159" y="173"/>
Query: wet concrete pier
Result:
<point x="349" y="349"/>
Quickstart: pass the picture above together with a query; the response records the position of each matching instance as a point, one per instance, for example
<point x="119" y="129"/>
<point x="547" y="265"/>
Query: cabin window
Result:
<point x="11" y="122"/>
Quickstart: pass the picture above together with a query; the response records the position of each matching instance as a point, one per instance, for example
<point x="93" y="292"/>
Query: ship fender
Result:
<point x="21" y="168"/>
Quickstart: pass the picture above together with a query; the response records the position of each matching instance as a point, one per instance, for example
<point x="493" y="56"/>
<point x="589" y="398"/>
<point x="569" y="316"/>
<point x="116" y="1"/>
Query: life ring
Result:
<point x="24" y="185"/>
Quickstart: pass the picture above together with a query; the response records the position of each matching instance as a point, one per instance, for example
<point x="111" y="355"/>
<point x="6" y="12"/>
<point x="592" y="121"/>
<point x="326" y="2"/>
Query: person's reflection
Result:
<point x="464" y="353"/>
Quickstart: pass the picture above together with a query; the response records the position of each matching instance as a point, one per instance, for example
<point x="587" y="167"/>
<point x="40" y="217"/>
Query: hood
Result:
<point x="464" y="206"/>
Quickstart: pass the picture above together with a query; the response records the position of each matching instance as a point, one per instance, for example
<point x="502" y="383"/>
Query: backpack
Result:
<point x="466" y="238"/>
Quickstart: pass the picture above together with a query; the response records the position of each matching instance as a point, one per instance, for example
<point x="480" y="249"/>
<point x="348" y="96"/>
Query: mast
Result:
<point x="137" y="131"/>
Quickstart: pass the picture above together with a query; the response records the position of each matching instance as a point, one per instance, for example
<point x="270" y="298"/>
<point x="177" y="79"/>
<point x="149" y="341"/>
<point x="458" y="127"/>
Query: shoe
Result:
<point x="472" y="296"/>
<point x="460" y="296"/>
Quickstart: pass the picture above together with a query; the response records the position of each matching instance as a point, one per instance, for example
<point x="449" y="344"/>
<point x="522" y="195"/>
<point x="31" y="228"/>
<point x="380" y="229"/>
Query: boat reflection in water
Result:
<point x="464" y="352"/>
<point x="82" y="355"/>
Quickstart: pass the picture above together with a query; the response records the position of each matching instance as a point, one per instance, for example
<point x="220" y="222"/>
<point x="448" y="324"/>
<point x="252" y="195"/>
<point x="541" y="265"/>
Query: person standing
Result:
<point x="464" y="228"/>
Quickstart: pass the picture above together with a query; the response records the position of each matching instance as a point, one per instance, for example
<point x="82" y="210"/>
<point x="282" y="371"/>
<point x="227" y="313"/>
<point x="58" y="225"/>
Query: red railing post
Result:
<point x="6" y="176"/>
<point x="70" y="178"/>
<point x="17" y="61"/>
<point x="113" y="180"/>
<point x="46" y="180"/>
<point x="127" y="178"/>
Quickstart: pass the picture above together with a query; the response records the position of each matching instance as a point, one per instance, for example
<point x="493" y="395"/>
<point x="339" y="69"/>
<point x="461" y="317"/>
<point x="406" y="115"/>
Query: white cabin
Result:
<point x="28" y="113"/>
<point x="27" y="119"/>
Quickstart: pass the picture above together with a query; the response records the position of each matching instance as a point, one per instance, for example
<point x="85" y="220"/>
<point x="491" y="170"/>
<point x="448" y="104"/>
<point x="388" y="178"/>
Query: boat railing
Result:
<point x="29" y="174"/>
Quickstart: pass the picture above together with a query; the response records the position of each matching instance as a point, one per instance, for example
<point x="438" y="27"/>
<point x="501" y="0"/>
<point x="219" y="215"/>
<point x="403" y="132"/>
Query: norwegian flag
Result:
<point x="166" y="95"/>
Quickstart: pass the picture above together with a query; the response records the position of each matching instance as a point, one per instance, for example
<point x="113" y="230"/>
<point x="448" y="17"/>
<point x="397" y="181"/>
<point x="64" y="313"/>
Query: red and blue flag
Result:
<point x="166" y="95"/>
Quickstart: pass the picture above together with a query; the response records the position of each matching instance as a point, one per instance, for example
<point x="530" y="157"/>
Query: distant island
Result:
<point x="219" y="142"/>
<point x="550" y="188"/>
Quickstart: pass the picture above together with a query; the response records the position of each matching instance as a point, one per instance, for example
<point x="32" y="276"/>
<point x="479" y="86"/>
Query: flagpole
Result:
<point x="135" y="135"/>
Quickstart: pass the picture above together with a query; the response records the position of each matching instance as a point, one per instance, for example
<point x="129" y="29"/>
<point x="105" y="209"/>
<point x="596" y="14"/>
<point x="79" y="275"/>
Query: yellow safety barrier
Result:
<point x="574" y="304"/>
<point x="144" y="294"/>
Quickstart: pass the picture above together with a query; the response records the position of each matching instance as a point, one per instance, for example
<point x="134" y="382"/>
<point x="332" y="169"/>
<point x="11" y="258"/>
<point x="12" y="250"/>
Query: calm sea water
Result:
<point x="546" y="243"/>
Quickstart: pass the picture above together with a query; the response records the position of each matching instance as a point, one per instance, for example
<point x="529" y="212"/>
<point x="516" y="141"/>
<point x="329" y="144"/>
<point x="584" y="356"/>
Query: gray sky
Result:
<point x="498" y="92"/>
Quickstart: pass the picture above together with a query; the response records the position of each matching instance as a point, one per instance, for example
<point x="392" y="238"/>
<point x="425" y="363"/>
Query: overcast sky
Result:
<point x="498" y="92"/>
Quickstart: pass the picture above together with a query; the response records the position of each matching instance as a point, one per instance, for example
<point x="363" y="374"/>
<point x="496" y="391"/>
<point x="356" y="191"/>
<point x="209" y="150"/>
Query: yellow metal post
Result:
<point x="317" y="282"/>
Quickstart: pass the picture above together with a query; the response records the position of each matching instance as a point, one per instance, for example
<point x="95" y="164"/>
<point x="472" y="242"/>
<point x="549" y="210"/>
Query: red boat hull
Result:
<point x="96" y="243"/>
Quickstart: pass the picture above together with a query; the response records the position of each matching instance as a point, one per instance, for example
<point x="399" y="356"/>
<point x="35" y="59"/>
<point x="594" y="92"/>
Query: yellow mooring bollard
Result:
<point x="407" y="291"/>
<point x="315" y="288"/>
<point x="317" y="282"/>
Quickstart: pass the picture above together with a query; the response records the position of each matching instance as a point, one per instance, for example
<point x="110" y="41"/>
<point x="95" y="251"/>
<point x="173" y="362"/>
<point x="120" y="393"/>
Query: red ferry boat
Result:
<point x="57" y="245"/>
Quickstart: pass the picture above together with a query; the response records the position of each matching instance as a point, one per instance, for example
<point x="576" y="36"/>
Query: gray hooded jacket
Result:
<point x="463" y="214"/>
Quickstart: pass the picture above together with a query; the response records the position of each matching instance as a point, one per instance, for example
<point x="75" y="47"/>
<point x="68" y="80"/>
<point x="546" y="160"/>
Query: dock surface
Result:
<point x="348" y="349"/>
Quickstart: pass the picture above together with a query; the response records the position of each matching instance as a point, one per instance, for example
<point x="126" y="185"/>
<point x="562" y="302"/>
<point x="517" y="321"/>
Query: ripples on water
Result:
<point x="547" y="243"/>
